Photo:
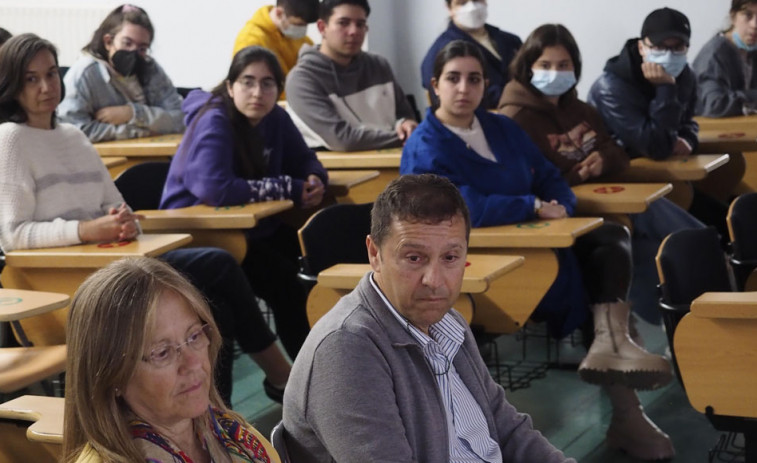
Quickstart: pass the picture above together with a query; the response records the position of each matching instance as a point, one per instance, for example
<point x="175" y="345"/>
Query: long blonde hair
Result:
<point x="110" y="318"/>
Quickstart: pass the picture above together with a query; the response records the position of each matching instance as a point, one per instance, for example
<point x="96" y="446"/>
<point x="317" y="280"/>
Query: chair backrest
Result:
<point x="141" y="185"/>
<point x="335" y="235"/>
<point x="278" y="440"/>
<point x="689" y="263"/>
<point x="742" y="225"/>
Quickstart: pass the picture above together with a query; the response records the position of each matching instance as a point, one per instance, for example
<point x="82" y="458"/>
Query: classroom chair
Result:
<point x="278" y="440"/>
<point x="141" y="185"/>
<point x="742" y="227"/>
<point x="691" y="263"/>
<point x="334" y="235"/>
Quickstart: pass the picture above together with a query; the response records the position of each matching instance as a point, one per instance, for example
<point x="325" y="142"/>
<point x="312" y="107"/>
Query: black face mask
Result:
<point x="128" y="63"/>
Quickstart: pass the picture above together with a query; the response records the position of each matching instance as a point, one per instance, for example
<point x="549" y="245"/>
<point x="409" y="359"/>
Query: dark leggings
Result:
<point x="271" y="266"/>
<point x="604" y="256"/>
<point x="218" y="276"/>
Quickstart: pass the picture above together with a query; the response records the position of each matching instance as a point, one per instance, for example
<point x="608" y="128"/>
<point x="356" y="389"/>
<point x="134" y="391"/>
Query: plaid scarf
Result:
<point x="240" y="444"/>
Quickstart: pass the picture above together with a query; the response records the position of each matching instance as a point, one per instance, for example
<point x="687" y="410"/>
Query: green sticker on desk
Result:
<point x="533" y="225"/>
<point x="10" y="300"/>
<point x="228" y="208"/>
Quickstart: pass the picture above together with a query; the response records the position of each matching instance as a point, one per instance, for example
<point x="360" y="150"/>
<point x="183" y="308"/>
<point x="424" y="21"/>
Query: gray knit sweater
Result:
<point x="361" y="391"/>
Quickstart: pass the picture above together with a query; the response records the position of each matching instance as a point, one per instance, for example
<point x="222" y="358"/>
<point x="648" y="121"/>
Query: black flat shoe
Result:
<point x="273" y="392"/>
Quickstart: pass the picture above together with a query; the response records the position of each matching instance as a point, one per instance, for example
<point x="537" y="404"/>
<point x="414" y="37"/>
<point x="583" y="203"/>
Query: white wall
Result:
<point x="194" y="38"/>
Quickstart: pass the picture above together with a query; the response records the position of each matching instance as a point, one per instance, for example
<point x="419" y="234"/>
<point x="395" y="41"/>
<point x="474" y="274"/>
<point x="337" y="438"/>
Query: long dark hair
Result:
<point x="547" y="35"/>
<point x="249" y="161"/>
<point x="15" y="56"/>
<point x="112" y="25"/>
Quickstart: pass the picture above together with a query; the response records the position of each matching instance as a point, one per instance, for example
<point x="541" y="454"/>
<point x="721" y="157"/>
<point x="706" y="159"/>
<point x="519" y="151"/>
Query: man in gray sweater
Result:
<point x="392" y="372"/>
<point x="341" y="97"/>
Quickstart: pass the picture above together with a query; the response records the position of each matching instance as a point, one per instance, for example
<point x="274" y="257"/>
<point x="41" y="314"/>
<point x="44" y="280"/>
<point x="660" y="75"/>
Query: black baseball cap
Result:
<point x="666" y="23"/>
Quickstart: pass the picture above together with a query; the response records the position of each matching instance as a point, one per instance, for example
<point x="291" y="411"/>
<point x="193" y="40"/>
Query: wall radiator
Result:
<point x="68" y="26"/>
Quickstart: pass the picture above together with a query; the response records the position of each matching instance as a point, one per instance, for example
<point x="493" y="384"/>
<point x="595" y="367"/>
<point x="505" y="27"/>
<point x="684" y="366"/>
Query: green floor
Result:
<point x="572" y="414"/>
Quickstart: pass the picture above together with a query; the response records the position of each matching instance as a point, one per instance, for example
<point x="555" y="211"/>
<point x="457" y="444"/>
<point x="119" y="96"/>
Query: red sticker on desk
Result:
<point x="732" y="135"/>
<point x="467" y="264"/>
<point x="116" y="244"/>
<point x="608" y="190"/>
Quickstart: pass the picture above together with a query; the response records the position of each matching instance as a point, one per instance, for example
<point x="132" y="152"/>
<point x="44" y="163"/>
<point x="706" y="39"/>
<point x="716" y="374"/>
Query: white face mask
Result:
<point x="553" y="83"/>
<point x="673" y="63"/>
<point x="472" y="15"/>
<point x="295" y="32"/>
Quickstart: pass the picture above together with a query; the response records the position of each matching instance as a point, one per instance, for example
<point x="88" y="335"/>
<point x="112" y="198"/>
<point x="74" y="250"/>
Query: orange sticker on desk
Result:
<point x="608" y="190"/>
<point x="533" y="225"/>
<point x="10" y="300"/>
<point x="732" y="135"/>
<point x="115" y="244"/>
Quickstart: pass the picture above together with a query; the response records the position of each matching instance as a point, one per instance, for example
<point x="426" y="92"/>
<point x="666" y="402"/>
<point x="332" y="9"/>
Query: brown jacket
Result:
<point x="566" y="133"/>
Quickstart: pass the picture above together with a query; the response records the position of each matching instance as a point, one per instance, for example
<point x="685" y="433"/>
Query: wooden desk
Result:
<point x="688" y="168"/>
<point x="46" y="414"/>
<point x="137" y="150"/>
<point x="509" y="302"/>
<point x="342" y="181"/>
<point x="221" y="227"/>
<point x="727" y="139"/>
<point x="18" y="303"/>
<point x="716" y="351"/>
<point x="386" y="161"/>
<point x="733" y="122"/>
<point x="63" y="269"/>
<point x="617" y="198"/>
<point x="337" y="281"/>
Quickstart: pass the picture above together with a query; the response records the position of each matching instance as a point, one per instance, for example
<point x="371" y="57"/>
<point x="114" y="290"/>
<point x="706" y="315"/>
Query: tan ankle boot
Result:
<point x="632" y="431"/>
<point x="615" y="358"/>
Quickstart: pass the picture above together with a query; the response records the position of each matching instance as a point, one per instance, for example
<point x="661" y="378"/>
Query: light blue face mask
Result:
<point x="673" y="63"/>
<point x="553" y="83"/>
<point x="740" y="43"/>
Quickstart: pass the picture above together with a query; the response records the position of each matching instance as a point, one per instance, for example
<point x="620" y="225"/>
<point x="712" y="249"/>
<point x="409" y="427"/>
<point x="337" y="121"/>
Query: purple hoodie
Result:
<point x="202" y="171"/>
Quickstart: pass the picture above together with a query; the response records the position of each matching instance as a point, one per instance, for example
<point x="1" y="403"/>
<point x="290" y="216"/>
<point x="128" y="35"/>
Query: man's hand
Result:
<point x="681" y="148"/>
<point x="406" y="128"/>
<point x="116" y="115"/>
<point x="590" y="167"/>
<point x="656" y="74"/>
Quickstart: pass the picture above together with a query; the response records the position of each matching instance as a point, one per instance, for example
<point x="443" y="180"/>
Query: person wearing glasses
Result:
<point x="142" y="348"/>
<point x="392" y="372"/>
<point x="647" y="96"/>
<point x="55" y="191"/>
<point x="341" y="97"/>
<point x="241" y="147"/>
<point x="116" y="90"/>
<point x="725" y="66"/>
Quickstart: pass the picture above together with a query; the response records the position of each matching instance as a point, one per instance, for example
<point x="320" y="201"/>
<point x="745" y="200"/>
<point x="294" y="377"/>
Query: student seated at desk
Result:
<point x="468" y="22"/>
<point x="55" y="191"/>
<point x="505" y="179"/>
<point x="282" y="29"/>
<point x="646" y="97"/>
<point x="142" y="349"/>
<point x="725" y="66"/>
<point x="116" y="90"/>
<point x="241" y="147"/>
<point x="543" y="100"/>
<point x="341" y="97"/>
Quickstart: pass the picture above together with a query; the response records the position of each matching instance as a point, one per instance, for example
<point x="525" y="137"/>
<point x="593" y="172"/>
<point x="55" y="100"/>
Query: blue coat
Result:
<point x="503" y="192"/>
<point x="507" y="46"/>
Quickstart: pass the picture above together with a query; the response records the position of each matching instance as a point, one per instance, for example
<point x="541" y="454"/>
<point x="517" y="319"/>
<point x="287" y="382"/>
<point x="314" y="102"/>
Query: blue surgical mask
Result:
<point x="553" y="83"/>
<point x="673" y="63"/>
<point x="295" y="32"/>
<point x="740" y="43"/>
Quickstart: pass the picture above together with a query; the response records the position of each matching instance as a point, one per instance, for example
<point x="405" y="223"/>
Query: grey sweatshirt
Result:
<point x="345" y="108"/>
<point x="722" y="89"/>
<point x="361" y="391"/>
